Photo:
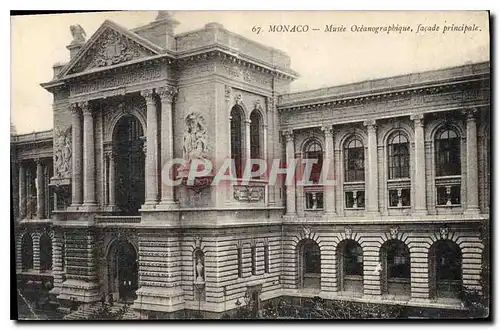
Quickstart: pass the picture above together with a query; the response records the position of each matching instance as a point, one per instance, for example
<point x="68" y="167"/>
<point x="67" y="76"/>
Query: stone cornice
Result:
<point x="198" y="55"/>
<point x="360" y="93"/>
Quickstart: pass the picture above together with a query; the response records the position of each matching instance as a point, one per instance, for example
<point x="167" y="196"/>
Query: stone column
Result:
<point x="371" y="186"/>
<point x="290" y="189"/>
<point x="88" y="156"/>
<point x="111" y="183"/>
<point x="151" y="149"/>
<point x="57" y="256"/>
<point x="270" y="149"/>
<point x="36" y="252"/>
<point x="167" y="95"/>
<point x="40" y="200"/>
<point x="77" y="160"/>
<point x="419" y="176"/>
<point x="472" y="163"/>
<point x="329" y="190"/>
<point x="247" y="155"/>
<point x="22" y="191"/>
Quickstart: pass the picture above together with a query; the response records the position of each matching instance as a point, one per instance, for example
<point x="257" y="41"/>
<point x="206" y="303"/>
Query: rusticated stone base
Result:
<point x="85" y="292"/>
<point x="159" y="299"/>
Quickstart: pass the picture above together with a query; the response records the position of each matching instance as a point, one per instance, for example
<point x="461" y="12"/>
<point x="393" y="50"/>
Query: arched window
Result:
<point x="350" y="266"/>
<point x="445" y="267"/>
<point x="237" y="139"/>
<point x="395" y="258"/>
<point x="255" y="135"/>
<point x="45" y="253"/>
<point x="309" y="264"/>
<point x="399" y="156"/>
<point x="447" y="144"/>
<point x="354" y="154"/>
<point x="256" y="139"/>
<point x="27" y="252"/>
<point x="313" y="150"/>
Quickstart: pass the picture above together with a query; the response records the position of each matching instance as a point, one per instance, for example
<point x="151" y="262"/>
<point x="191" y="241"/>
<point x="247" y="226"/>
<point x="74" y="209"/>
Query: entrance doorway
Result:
<point x="122" y="270"/>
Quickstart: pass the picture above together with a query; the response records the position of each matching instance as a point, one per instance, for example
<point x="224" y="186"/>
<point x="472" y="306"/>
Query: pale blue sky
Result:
<point x="322" y="59"/>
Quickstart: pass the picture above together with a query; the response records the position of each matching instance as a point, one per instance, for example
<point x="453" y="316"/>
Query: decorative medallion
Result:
<point x="307" y="231"/>
<point x="443" y="232"/>
<point x="393" y="232"/>
<point x="197" y="242"/>
<point x="348" y="232"/>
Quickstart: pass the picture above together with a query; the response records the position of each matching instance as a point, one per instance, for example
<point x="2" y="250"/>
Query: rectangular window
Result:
<point x="266" y="259"/>
<point x="240" y="262"/>
<point x="254" y="260"/>
<point x="399" y="197"/>
<point x="449" y="195"/>
<point x="314" y="200"/>
<point x="355" y="199"/>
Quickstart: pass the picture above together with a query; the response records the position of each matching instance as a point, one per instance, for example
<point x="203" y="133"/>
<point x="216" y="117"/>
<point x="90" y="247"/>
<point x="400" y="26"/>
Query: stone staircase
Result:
<point x="85" y="310"/>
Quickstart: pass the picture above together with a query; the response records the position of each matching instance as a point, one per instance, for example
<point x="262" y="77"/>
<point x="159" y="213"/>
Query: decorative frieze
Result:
<point x="121" y="79"/>
<point x="248" y="193"/>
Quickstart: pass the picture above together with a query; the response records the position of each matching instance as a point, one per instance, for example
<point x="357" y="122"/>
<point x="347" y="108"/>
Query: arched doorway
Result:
<point x="309" y="264"/>
<point x="445" y="269"/>
<point x="396" y="268"/>
<point x="350" y="267"/>
<point x="26" y="252"/>
<point x="128" y="145"/>
<point x="122" y="270"/>
<point x="45" y="253"/>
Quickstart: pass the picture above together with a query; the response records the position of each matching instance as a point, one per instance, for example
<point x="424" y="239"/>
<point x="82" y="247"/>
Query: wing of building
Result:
<point x="403" y="217"/>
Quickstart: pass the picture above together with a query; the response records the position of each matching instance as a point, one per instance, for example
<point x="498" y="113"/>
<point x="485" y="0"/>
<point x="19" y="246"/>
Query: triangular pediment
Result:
<point x="110" y="45"/>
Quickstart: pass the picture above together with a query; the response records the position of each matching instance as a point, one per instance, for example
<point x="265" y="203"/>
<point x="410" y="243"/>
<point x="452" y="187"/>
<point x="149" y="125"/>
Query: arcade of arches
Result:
<point x="445" y="268"/>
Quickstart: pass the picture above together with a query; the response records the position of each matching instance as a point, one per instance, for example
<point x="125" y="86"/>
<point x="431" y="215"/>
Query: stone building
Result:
<point x="404" y="222"/>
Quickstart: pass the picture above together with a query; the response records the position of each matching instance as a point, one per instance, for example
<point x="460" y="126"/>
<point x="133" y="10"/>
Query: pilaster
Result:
<point x="371" y="190"/>
<point x="89" y="200"/>
<point x="151" y="170"/>
<point x="472" y="163"/>
<point x="76" y="159"/>
<point x="419" y="180"/>
<point x="167" y="95"/>
<point x="328" y="171"/>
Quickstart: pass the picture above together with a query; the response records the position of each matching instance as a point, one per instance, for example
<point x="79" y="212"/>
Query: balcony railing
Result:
<point x="114" y="219"/>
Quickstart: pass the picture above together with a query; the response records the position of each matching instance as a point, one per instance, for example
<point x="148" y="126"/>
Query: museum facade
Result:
<point x="405" y="222"/>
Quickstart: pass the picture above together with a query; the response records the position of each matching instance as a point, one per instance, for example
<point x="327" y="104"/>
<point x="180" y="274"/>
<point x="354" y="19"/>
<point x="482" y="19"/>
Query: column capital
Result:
<point x="417" y="118"/>
<point x="148" y="95"/>
<point x="247" y="121"/>
<point x="470" y="114"/>
<point x="370" y="124"/>
<point x="75" y="110"/>
<point x="327" y="129"/>
<point x="167" y="93"/>
<point x="85" y="107"/>
<point x="38" y="161"/>
<point x="288" y="134"/>
<point x="110" y="154"/>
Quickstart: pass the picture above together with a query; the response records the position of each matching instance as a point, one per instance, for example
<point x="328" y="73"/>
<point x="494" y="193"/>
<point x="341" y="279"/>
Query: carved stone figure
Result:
<point x="200" y="277"/>
<point x="195" y="137"/>
<point x="78" y="34"/>
<point x="62" y="153"/>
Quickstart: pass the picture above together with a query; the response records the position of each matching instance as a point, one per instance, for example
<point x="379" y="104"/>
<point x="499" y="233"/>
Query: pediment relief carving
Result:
<point x="110" y="48"/>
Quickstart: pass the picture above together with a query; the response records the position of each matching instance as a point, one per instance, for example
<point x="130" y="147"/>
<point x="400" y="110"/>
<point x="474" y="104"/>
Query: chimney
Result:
<point x="78" y="41"/>
<point x="162" y="29"/>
